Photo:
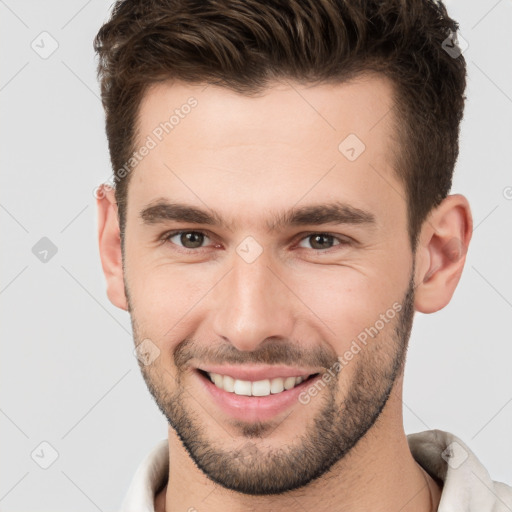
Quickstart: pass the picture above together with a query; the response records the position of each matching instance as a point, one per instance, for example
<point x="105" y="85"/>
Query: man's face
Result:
<point x="254" y="298"/>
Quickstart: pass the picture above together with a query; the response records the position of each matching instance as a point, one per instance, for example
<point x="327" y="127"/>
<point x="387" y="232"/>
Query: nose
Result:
<point x="251" y="304"/>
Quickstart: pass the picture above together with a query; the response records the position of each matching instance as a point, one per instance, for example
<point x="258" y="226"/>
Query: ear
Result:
<point x="110" y="245"/>
<point x="441" y="253"/>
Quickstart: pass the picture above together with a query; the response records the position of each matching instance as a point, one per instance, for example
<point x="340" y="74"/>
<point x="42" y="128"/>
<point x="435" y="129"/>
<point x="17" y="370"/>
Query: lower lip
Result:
<point x="254" y="408"/>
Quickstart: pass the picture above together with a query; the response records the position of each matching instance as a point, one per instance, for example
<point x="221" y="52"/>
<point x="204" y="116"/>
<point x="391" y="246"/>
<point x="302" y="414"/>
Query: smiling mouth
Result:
<point x="263" y="387"/>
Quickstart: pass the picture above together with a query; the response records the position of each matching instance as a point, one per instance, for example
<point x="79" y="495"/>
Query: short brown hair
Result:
<point x="245" y="44"/>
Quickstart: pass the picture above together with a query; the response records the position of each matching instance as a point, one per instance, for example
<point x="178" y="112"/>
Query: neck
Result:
<point x="378" y="474"/>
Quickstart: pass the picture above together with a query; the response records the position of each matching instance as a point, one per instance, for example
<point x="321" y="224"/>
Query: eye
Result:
<point x="194" y="240"/>
<point x="323" y="241"/>
<point x="188" y="239"/>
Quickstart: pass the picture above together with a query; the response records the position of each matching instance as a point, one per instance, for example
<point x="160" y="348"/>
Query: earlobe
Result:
<point x="444" y="242"/>
<point x="110" y="246"/>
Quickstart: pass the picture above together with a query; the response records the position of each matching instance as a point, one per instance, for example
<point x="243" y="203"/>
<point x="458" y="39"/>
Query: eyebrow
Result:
<point x="329" y="213"/>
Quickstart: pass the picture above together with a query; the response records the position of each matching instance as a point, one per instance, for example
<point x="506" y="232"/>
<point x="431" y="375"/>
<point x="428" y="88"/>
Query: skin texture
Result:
<point x="250" y="158"/>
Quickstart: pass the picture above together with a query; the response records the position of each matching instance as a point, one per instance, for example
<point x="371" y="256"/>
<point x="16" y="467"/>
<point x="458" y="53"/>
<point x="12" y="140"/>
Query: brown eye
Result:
<point x="187" y="239"/>
<point x="320" y="242"/>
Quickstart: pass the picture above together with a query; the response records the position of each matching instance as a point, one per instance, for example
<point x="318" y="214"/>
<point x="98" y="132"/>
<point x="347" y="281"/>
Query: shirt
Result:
<point x="467" y="486"/>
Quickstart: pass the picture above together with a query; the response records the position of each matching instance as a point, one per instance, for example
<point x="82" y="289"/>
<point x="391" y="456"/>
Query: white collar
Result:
<point x="467" y="486"/>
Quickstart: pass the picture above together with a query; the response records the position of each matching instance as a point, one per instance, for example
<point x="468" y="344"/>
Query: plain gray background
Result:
<point x="68" y="374"/>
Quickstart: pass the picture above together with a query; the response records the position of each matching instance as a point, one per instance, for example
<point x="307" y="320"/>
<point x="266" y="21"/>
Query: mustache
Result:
<point x="271" y="352"/>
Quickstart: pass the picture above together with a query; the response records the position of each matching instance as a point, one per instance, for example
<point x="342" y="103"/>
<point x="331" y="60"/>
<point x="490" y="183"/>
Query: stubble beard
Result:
<point x="338" y="425"/>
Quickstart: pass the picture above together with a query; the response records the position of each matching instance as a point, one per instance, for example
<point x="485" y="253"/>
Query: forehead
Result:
<point x="289" y="143"/>
<point x="287" y="109"/>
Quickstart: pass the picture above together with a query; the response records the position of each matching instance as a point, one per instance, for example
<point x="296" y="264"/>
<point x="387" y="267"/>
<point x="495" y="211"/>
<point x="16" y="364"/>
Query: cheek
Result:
<point x="163" y="298"/>
<point x="344" y="302"/>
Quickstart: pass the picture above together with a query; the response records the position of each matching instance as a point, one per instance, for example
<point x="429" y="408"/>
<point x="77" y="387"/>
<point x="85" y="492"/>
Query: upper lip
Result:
<point x="258" y="372"/>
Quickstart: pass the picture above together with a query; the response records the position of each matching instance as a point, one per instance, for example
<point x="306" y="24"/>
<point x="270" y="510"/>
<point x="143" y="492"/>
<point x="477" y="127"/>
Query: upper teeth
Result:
<point x="257" y="388"/>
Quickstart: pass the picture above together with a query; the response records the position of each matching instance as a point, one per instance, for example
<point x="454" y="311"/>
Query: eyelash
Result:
<point x="167" y="236"/>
